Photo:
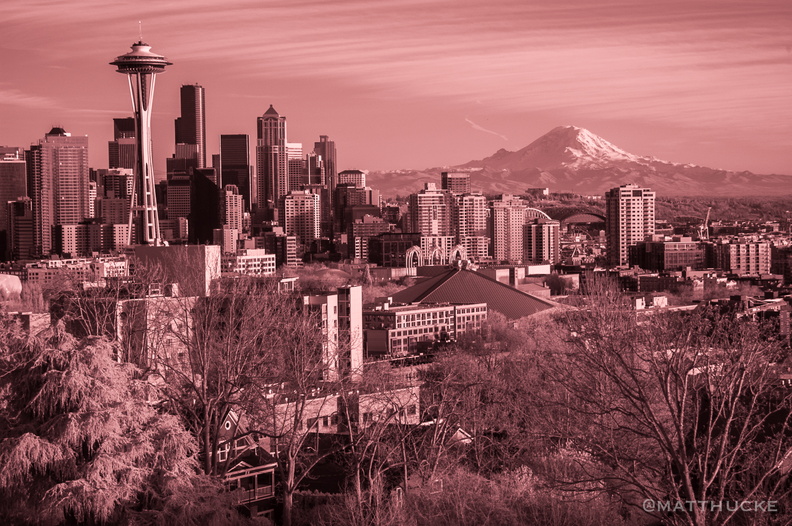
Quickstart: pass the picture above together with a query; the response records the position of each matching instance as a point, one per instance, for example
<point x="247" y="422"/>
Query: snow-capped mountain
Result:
<point x="572" y="159"/>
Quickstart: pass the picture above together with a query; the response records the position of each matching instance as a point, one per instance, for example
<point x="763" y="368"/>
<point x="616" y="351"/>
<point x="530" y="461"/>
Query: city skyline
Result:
<point x="417" y="85"/>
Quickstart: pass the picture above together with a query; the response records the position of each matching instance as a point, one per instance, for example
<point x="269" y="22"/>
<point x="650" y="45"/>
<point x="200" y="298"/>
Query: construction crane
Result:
<point x="704" y="228"/>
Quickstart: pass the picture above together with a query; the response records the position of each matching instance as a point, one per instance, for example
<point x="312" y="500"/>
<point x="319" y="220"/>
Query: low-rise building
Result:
<point x="392" y="330"/>
<point x="249" y="262"/>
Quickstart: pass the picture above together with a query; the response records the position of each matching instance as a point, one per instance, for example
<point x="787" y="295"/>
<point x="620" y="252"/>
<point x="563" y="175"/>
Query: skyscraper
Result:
<point x="232" y="208"/>
<point x="191" y="126"/>
<point x="12" y="185"/>
<point x="121" y="151"/>
<point x="542" y="241"/>
<point x="430" y="212"/>
<point x="20" y="234"/>
<point x="507" y="221"/>
<point x="272" y="159"/>
<point x="235" y="165"/>
<point x="470" y="216"/>
<point x="629" y="218"/>
<point x="301" y="215"/>
<point x="141" y="67"/>
<point x="457" y="183"/>
<point x="327" y="150"/>
<point x="57" y="177"/>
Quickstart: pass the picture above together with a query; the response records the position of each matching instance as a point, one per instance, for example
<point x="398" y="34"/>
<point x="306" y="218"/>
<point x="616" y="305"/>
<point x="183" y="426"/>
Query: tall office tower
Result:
<point x="205" y="206"/>
<point x="314" y="171"/>
<point x="629" y="218"/>
<point x="13" y="184"/>
<point x="121" y="151"/>
<point x="233" y="208"/>
<point x="355" y="178"/>
<point x="507" y="218"/>
<point x="430" y="212"/>
<point x="57" y="177"/>
<point x="301" y="215"/>
<point x="191" y="126"/>
<point x="456" y="183"/>
<point x="326" y="149"/>
<point x="141" y="67"/>
<point x="235" y="165"/>
<point x="20" y="239"/>
<point x="470" y="215"/>
<point x="296" y="165"/>
<point x="178" y="196"/>
<point x="542" y="242"/>
<point x="272" y="161"/>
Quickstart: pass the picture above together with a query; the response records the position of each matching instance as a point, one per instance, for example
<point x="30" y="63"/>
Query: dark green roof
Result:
<point x="467" y="286"/>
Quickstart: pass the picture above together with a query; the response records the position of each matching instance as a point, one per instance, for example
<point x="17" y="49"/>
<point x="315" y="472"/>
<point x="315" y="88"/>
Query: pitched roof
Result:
<point x="466" y="286"/>
<point x="271" y="111"/>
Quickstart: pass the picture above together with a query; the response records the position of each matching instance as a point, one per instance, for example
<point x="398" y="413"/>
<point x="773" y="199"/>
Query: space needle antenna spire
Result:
<point x="141" y="66"/>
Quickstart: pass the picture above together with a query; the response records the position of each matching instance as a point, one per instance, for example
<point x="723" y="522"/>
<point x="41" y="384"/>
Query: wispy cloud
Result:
<point x="698" y="63"/>
<point x="15" y="97"/>
<point x="485" y="130"/>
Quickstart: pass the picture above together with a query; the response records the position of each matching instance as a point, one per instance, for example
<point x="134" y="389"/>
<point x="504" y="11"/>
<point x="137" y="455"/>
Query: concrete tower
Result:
<point x="629" y="218"/>
<point x="141" y="66"/>
<point x="235" y="165"/>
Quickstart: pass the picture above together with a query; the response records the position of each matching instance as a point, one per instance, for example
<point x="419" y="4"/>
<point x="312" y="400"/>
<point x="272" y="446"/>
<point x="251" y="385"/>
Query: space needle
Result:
<point x="141" y="66"/>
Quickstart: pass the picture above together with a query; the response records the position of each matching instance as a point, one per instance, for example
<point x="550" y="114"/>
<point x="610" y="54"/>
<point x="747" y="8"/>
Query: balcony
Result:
<point x="247" y="496"/>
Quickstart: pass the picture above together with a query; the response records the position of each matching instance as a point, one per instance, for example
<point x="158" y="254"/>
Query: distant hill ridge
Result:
<point x="572" y="159"/>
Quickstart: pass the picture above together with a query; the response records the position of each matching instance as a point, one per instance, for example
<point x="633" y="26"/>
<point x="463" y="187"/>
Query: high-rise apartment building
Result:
<point x="235" y="165"/>
<point x="301" y="215"/>
<point x="542" y="241"/>
<point x="629" y="218"/>
<point x="457" y="183"/>
<point x="233" y="208"/>
<point x="272" y="160"/>
<point x="57" y="177"/>
<point x="191" y="126"/>
<point x="507" y="219"/>
<point x="470" y="216"/>
<point x="430" y="212"/>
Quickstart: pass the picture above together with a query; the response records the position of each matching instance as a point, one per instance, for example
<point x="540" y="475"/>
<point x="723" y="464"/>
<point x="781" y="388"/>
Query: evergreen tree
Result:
<point x="82" y="440"/>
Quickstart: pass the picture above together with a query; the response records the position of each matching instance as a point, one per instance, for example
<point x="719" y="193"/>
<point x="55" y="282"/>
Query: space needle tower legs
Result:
<point x="141" y="67"/>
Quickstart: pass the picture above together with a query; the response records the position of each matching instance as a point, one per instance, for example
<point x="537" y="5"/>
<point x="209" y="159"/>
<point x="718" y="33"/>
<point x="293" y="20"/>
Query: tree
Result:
<point x="82" y="440"/>
<point x="671" y="408"/>
<point x="223" y="349"/>
<point x="290" y="397"/>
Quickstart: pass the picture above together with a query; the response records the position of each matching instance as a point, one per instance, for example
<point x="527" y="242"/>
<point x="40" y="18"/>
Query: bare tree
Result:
<point x="675" y="408"/>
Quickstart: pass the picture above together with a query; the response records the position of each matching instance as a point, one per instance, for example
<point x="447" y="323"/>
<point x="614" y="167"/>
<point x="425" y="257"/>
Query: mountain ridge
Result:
<point x="573" y="159"/>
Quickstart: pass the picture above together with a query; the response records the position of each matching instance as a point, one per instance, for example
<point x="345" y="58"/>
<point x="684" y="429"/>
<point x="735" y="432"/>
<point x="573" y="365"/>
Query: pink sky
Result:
<point x="416" y="84"/>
